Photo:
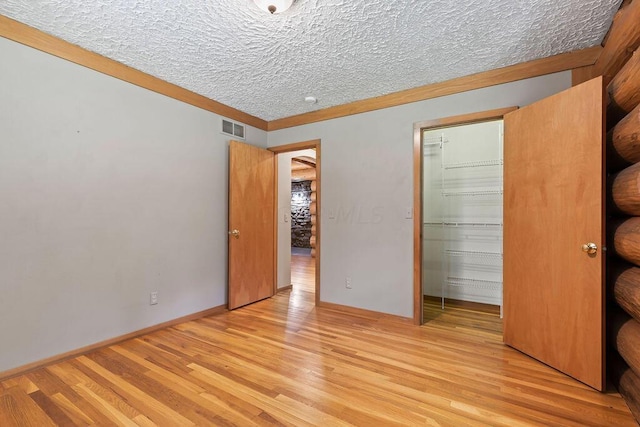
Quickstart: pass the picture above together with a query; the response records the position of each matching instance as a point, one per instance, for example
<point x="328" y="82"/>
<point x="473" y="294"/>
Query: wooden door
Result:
<point x="251" y="224"/>
<point x="553" y="204"/>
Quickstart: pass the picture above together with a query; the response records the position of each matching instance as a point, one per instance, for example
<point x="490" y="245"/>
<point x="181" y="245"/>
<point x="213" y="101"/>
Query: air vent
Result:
<point x="232" y="129"/>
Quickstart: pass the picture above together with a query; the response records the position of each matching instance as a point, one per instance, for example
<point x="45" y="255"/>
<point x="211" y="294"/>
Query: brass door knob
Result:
<point x="590" y="248"/>
<point x="235" y="233"/>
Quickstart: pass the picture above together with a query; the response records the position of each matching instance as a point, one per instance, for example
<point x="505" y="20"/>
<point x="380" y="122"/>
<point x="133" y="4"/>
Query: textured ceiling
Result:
<point x="336" y="50"/>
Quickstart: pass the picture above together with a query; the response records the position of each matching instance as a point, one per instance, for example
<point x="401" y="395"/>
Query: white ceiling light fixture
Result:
<point x="273" y="6"/>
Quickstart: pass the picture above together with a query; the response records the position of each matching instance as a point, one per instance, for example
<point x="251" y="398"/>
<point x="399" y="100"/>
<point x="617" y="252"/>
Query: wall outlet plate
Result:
<point x="153" y="298"/>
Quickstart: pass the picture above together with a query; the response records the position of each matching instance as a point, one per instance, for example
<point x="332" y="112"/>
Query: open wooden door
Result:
<point x="553" y="205"/>
<point x="251" y="224"/>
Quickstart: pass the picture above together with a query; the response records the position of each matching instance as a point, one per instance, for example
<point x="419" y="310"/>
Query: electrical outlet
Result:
<point x="153" y="300"/>
<point x="347" y="282"/>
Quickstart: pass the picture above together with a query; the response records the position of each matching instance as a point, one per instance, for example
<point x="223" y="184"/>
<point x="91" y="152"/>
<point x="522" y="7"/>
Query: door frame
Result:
<point x="286" y="148"/>
<point x="418" y="132"/>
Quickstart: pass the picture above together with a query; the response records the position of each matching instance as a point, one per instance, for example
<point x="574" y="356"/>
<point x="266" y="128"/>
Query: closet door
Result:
<point x="554" y="233"/>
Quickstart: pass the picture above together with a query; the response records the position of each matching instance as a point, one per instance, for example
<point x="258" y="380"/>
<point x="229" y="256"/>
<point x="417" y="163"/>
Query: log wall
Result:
<point x="619" y="63"/>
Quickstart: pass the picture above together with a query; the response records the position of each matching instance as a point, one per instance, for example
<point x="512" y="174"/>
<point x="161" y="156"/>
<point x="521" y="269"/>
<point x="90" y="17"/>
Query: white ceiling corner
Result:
<point x="336" y="50"/>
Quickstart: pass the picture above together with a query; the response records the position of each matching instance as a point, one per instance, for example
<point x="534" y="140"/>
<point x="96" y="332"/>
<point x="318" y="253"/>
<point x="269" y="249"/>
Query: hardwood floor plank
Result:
<point x="85" y="386"/>
<point x="78" y="417"/>
<point x="51" y="385"/>
<point x="17" y="408"/>
<point x="53" y="411"/>
<point x="159" y="373"/>
<point x="277" y="410"/>
<point x="303" y="273"/>
<point x="190" y="390"/>
<point x="142" y="401"/>
<point x="284" y="362"/>
<point x="331" y="400"/>
<point x="24" y="383"/>
<point x="115" y="417"/>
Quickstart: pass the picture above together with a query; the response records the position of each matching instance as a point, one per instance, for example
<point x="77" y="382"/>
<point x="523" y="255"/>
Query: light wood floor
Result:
<point x="303" y="269"/>
<point x="284" y="362"/>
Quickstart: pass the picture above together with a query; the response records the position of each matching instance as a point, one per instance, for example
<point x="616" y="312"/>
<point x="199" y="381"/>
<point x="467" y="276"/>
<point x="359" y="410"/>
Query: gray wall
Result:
<point x="367" y="184"/>
<point x="107" y="192"/>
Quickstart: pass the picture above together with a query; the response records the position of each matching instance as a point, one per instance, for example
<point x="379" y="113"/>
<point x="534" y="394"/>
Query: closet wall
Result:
<point x="620" y="64"/>
<point x="462" y="213"/>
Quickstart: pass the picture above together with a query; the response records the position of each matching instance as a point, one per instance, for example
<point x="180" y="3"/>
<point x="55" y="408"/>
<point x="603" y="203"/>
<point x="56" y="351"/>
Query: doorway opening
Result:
<point x="458" y="223"/>
<point x="298" y="168"/>
<point x="303" y="220"/>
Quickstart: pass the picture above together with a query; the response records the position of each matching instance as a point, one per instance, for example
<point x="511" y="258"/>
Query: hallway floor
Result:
<point x="303" y="273"/>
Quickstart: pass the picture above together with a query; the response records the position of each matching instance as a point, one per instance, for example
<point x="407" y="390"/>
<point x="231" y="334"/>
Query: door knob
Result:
<point x="235" y="233"/>
<point x="590" y="248"/>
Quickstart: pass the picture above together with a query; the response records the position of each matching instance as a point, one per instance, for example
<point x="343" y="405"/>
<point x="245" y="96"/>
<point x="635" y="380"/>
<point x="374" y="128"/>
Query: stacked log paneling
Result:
<point x="623" y="141"/>
<point x="626" y="292"/>
<point x="623" y="90"/>
<point x="624" y="334"/>
<point x="622" y="40"/>
<point x="626" y="381"/>
<point x="619" y="62"/>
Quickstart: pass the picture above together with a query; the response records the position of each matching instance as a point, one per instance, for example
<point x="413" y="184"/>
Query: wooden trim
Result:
<point x="313" y="144"/>
<point x="465" y="119"/>
<point x="465" y="305"/>
<point x="21" y="370"/>
<point x="28" y="36"/>
<point x="418" y="129"/>
<point x="525" y="70"/>
<point x="418" y="307"/>
<point x="296" y="146"/>
<point x="582" y="74"/>
<point x="369" y="314"/>
<point x="318" y="222"/>
<point x="284" y="289"/>
<point x="622" y="40"/>
<point x="603" y="232"/>
<point x="276" y="215"/>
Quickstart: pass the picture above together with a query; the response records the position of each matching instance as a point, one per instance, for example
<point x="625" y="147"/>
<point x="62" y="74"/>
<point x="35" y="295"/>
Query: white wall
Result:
<point x="107" y="192"/>
<point x="284" y="209"/>
<point x="367" y="180"/>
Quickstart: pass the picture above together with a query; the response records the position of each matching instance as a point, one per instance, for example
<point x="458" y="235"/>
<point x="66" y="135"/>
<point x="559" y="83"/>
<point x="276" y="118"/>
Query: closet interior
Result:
<point x="462" y="213"/>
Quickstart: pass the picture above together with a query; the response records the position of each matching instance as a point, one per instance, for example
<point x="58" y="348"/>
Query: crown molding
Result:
<point x="524" y="70"/>
<point x="29" y="36"/>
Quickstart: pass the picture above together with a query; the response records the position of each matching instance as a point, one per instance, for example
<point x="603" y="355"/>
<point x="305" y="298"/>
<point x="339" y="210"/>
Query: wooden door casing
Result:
<point x="553" y="203"/>
<point x="252" y="213"/>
